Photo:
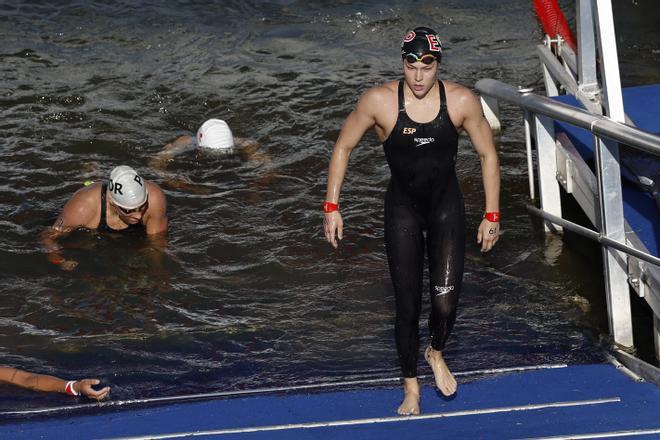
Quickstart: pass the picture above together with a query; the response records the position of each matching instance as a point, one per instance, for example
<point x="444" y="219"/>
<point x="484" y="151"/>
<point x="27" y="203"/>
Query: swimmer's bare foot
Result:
<point x="410" y="404"/>
<point x="444" y="380"/>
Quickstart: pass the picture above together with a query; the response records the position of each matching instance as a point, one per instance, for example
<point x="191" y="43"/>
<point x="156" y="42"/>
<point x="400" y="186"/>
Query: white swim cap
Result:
<point x="126" y="188"/>
<point x="215" y="134"/>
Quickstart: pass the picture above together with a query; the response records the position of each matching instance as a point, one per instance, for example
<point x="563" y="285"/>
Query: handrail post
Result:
<point x="527" y="118"/>
<point x="550" y="86"/>
<point x="546" y="152"/>
<point x="530" y="161"/>
<point x="608" y="174"/>
<point x="587" y="79"/>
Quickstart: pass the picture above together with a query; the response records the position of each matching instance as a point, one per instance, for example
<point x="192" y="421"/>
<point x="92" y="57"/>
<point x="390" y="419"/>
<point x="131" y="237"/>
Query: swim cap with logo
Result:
<point x="126" y="188"/>
<point x="421" y="41"/>
<point x="215" y="134"/>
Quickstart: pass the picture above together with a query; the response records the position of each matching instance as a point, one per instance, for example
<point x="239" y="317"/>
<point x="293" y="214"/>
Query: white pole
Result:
<point x="530" y="160"/>
<point x="608" y="174"/>
<point x="587" y="79"/>
<point x="546" y="151"/>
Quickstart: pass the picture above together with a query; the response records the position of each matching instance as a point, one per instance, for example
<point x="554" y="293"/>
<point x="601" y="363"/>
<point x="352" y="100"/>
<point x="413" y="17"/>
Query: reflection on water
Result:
<point x="247" y="294"/>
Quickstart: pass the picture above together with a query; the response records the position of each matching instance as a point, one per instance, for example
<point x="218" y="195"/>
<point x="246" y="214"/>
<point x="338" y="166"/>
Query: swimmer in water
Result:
<point x="418" y="120"/>
<point x="212" y="135"/>
<point x="124" y="203"/>
<point x="41" y="382"/>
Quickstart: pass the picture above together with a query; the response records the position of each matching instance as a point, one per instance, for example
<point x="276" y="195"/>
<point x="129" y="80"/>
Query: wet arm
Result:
<point x="481" y="136"/>
<point x="178" y="146"/>
<point x="36" y="382"/>
<point x="49" y="241"/>
<point x="157" y="227"/>
<point x="250" y="148"/>
<point x="75" y="214"/>
<point x="157" y="235"/>
<point x="251" y="151"/>
<point x="156" y="222"/>
<point x="42" y="382"/>
<point x="357" y="123"/>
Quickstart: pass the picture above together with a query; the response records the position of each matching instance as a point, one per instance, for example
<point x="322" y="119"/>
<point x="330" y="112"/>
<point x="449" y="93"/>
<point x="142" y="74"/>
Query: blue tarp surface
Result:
<point x="637" y="407"/>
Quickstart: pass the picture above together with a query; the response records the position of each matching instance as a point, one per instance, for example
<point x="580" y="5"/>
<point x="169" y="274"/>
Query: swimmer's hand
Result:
<point x="488" y="234"/>
<point x="333" y="225"/>
<point x="56" y="259"/>
<point x="68" y="265"/>
<point x="84" y="387"/>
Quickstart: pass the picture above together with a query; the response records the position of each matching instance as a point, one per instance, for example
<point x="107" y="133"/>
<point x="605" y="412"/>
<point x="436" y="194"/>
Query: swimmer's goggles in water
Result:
<point x="141" y="208"/>
<point x="426" y="59"/>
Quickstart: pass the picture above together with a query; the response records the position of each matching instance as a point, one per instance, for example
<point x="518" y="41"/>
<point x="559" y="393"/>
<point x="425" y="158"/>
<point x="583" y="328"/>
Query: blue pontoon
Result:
<point x="542" y="402"/>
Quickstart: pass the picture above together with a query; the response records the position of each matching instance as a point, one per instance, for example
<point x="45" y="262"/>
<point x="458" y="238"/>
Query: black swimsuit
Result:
<point x="423" y="196"/>
<point x="103" y="224"/>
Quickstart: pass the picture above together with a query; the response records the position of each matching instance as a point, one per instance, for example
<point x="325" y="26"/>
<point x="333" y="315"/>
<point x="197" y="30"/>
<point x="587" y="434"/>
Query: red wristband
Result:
<point x="55" y="259"/>
<point x="493" y="217"/>
<point x="330" y="207"/>
<point x="70" y="390"/>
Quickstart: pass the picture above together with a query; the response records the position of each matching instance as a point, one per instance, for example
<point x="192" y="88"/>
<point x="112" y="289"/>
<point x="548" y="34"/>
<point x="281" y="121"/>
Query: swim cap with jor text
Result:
<point x="126" y="188"/>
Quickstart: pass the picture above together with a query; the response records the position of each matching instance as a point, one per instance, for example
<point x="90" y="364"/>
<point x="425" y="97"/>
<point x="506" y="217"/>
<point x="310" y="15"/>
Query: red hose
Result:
<point x="553" y="21"/>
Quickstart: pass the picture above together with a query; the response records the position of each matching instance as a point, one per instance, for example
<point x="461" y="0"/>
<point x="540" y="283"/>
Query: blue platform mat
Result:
<point x="563" y="401"/>
<point x="642" y="104"/>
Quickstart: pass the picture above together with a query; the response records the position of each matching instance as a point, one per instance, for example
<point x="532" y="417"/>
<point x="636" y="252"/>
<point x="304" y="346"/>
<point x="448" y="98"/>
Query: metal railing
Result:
<point x="599" y="125"/>
<point x="540" y="113"/>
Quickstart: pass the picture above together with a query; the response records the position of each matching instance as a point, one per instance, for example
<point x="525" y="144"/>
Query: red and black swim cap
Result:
<point x="421" y="41"/>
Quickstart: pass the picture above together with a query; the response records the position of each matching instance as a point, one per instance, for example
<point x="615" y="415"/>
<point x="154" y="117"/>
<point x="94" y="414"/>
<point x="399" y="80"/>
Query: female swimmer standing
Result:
<point x="419" y="120"/>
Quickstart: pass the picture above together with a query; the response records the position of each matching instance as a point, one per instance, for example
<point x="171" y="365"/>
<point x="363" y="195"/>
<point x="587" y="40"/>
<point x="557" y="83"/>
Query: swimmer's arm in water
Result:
<point x="80" y="211"/>
<point x="478" y="128"/>
<point x="156" y="223"/>
<point x="250" y="149"/>
<point x="178" y="146"/>
<point x="155" y="218"/>
<point x="41" y="382"/>
<point x="358" y="122"/>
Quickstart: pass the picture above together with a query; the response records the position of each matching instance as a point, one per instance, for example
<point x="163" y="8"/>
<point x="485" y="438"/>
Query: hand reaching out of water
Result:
<point x="64" y="264"/>
<point x="84" y="387"/>
<point x="333" y="224"/>
<point x="68" y="265"/>
<point x="43" y="382"/>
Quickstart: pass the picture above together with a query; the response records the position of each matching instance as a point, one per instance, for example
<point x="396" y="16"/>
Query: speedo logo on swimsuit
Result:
<point x="443" y="290"/>
<point x="423" y="141"/>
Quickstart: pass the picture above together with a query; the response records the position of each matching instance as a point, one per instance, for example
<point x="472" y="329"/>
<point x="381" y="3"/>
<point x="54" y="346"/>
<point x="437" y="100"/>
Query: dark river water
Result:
<point x="248" y="294"/>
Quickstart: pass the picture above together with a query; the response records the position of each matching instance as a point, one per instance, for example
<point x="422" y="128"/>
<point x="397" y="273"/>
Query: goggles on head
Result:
<point x="426" y="58"/>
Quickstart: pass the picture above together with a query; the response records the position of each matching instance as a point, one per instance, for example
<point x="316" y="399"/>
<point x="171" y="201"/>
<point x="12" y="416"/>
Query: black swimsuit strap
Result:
<point x="104" y="190"/>
<point x="402" y="107"/>
<point x="443" y="96"/>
